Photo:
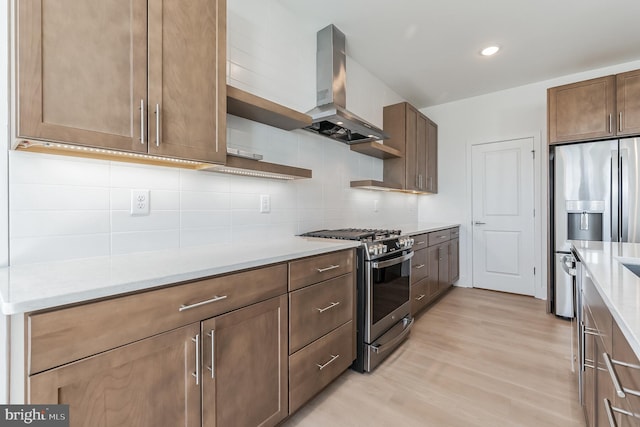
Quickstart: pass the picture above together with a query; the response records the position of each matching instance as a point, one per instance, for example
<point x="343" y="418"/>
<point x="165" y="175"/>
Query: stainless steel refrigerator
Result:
<point x="595" y="197"/>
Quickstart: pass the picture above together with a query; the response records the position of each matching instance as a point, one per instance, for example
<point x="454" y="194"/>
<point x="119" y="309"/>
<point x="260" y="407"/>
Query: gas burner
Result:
<point x="360" y="234"/>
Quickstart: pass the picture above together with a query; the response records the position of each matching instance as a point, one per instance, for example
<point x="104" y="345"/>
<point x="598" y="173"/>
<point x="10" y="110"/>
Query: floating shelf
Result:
<point x="370" y="184"/>
<point x="248" y="167"/>
<point x="375" y="149"/>
<point x="252" y="107"/>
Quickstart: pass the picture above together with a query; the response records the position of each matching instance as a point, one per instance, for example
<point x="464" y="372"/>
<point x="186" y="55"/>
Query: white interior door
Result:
<point x="503" y="217"/>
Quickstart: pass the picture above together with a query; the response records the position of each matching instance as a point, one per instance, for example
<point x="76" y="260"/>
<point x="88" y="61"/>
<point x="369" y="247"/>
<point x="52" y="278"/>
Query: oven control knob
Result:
<point x="384" y="249"/>
<point x="411" y="241"/>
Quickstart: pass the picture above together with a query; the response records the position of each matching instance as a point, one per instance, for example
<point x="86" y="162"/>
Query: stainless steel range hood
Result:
<point x="330" y="117"/>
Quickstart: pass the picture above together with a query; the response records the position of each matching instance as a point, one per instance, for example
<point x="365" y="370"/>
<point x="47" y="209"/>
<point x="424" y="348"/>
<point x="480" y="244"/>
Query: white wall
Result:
<point x="4" y="237"/>
<point x="513" y="113"/>
<point x="63" y="207"/>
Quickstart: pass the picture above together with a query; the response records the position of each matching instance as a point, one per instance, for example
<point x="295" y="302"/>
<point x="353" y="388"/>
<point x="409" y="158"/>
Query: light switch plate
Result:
<point x="265" y="203"/>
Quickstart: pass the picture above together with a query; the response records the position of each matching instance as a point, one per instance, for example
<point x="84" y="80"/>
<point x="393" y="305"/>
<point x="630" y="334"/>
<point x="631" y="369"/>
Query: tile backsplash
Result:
<point x="64" y="207"/>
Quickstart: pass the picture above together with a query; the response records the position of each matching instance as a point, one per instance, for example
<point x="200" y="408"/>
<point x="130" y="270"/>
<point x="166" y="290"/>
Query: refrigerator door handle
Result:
<point x="614" y="208"/>
<point x="624" y="202"/>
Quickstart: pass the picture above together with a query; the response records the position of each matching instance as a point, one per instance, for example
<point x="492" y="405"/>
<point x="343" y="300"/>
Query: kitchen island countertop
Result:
<point x="30" y="287"/>
<point x="617" y="285"/>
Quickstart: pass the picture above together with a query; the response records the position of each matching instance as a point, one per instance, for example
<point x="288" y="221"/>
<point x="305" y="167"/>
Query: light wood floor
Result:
<point x="476" y="358"/>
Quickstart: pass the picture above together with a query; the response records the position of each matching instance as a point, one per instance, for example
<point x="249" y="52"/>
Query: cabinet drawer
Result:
<point x="629" y="377"/>
<point x="420" y="241"/>
<point x="599" y="311"/>
<point x="454" y="233"/>
<point x="64" y="335"/>
<point x="439" y="237"/>
<point x="419" y="266"/>
<point x="318" y="268"/>
<point x="419" y="296"/>
<point x="315" y="366"/>
<point x="318" y="309"/>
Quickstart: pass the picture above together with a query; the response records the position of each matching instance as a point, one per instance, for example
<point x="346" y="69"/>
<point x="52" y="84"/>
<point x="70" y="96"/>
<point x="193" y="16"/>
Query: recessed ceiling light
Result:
<point x="491" y="50"/>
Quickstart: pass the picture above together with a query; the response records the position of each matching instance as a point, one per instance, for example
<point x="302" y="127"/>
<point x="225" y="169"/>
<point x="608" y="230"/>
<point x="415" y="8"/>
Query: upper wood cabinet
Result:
<point x="595" y="109"/>
<point x="628" y="102"/>
<point x="141" y="76"/>
<point x="416" y="138"/>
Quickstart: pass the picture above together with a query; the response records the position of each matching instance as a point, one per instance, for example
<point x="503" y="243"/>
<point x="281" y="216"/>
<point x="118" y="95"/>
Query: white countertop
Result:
<point x="33" y="287"/>
<point x="425" y="227"/>
<point x="618" y="287"/>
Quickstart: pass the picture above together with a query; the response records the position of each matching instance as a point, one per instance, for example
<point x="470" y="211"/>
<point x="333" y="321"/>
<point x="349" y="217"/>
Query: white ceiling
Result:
<point x="428" y="51"/>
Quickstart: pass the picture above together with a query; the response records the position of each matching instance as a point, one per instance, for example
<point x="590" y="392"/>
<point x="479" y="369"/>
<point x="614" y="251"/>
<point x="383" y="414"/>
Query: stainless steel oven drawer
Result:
<point x="376" y="352"/>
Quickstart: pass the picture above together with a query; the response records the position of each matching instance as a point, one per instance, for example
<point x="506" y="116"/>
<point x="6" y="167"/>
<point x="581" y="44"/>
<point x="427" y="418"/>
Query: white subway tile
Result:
<point x="54" y="223"/>
<point x="281" y="216"/>
<point x="204" y="201"/>
<point x="53" y="197"/>
<point x="123" y="221"/>
<point x="243" y="218"/>
<point x="205" y="219"/>
<point x="37" y="168"/>
<point x="142" y="241"/>
<point x="250" y="233"/>
<point x="203" y="181"/>
<point x="245" y="201"/>
<point x="205" y="236"/>
<point x="144" y="177"/>
<point x="58" y="248"/>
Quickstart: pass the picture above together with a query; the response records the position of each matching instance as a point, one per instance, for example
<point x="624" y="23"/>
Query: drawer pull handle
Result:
<point x="420" y="297"/>
<point x="418" y="267"/>
<point x="197" y="372"/>
<point x="331" y="267"/>
<point x="328" y="363"/>
<point x="613" y="375"/>
<point x="611" y="409"/>
<point x="421" y="243"/>
<point x="591" y="331"/>
<point x="333" y="304"/>
<point x="184" y="307"/>
<point x="442" y="237"/>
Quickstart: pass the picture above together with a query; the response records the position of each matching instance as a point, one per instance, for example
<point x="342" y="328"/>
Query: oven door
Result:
<point x="387" y="287"/>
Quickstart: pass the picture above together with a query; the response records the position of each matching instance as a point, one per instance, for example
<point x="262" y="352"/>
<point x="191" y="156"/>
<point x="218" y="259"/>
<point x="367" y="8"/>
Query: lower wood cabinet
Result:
<point x="244" y="366"/>
<point x="148" y="383"/>
<point x="434" y="267"/>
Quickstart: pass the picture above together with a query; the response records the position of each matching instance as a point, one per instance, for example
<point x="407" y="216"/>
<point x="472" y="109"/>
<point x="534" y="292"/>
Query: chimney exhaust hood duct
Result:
<point x="330" y="117"/>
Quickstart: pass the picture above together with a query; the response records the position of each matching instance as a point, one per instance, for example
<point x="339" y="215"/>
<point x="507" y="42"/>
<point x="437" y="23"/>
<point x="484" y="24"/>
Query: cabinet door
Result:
<point x="443" y="267"/>
<point x="411" y="150"/>
<point x="628" y="100"/>
<point x="82" y="72"/>
<point x="454" y="260"/>
<point x="245" y="374"/>
<point x="148" y="383"/>
<point x="433" y="259"/>
<point x="432" y="157"/>
<point x="187" y="79"/>
<point x="421" y="153"/>
<point x="583" y="110"/>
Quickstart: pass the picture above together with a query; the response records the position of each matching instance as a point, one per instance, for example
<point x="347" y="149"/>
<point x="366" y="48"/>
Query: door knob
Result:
<point x="479" y="223"/>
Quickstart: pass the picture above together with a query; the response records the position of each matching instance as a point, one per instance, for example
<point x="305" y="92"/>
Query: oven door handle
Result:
<point x="389" y="263"/>
<point x="391" y="344"/>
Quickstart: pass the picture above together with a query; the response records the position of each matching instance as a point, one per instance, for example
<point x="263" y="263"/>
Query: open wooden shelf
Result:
<point x="252" y="107"/>
<point x="256" y="168"/>
<point x="375" y="149"/>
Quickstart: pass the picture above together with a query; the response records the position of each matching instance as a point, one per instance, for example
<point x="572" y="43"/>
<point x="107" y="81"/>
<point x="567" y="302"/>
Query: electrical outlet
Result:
<point x="265" y="203"/>
<point x="140" y="202"/>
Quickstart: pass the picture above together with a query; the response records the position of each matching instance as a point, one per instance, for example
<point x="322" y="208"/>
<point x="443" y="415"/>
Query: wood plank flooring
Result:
<point x="475" y="358"/>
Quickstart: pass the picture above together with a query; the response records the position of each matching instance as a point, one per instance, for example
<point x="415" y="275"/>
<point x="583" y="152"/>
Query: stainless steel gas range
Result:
<point x="384" y="304"/>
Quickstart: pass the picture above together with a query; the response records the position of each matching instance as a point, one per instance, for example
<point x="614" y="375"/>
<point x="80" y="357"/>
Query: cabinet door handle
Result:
<point x="142" y="121"/>
<point x="157" y="125"/>
<point x="418" y="267"/>
<point x="331" y="267"/>
<point x="613" y="375"/>
<point x="420" y="297"/>
<point x="610" y="119"/>
<point x="430" y="183"/>
<point x="620" y="122"/>
<point x="212" y="334"/>
<point x="328" y="363"/>
<point x="197" y="372"/>
<point x="333" y="304"/>
<point x="611" y="409"/>
<point x="184" y="307"/>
